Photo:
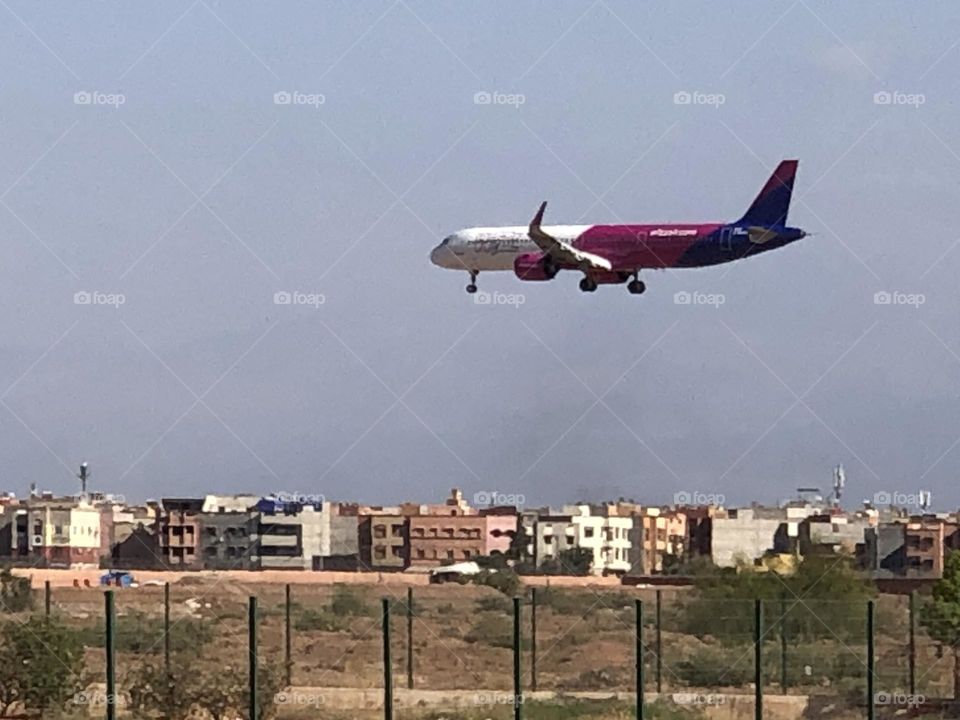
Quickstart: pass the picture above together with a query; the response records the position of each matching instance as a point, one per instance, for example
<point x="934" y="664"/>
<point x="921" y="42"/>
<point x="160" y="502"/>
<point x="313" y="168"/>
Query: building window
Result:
<point x="449" y="554"/>
<point x="380" y="553"/>
<point x="588" y="532"/>
<point x="420" y="553"/>
<point x="380" y="531"/>
<point x="397" y="531"/>
<point x="548" y="540"/>
<point x="467" y="554"/>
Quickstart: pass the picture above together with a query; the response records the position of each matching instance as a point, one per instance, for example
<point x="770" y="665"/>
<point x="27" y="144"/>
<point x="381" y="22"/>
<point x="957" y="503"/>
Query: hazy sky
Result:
<point x="199" y="197"/>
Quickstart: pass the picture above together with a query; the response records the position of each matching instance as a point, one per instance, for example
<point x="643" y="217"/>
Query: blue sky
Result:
<point x="198" y="198"/>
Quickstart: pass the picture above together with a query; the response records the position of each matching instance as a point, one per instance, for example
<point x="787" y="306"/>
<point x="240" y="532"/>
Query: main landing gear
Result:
<point x="472" y="287"/>
<point x="588" y="284"/>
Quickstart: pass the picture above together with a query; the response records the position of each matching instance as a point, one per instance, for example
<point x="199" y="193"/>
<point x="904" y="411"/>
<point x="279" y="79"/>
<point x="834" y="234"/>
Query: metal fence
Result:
<point x="355" y="651"/>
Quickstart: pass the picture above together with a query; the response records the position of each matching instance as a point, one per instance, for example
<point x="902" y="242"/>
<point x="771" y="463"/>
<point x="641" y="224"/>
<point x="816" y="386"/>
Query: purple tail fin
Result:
<point x="773" y="202"/>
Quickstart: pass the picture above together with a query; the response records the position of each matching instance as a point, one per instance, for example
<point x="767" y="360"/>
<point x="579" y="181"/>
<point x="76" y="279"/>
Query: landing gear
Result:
<point x="588" y="284"/>
<point x="636" y="287"/>
<point x="472" y="287"/>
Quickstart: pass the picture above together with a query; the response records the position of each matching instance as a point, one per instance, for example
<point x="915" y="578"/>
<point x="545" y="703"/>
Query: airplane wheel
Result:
<point x="471" y="288"/>
<point x="588" y="285"/>
<point x="636" y="287"/>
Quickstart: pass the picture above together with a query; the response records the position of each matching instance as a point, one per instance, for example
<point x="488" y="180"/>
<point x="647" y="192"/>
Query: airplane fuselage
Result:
<point x="610" y="254"/>
<point x="630" y="248"/>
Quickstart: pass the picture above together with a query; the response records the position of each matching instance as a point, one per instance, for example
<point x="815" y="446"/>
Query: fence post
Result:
<point x="46" y="597"/>
<point x="533" y="639"/>
<point x="783" y="645"/>
<point x="871" y="662"/>
<point x="758" y="659"/>
<point x="517" y="668"/>
<point x="387" y="664"/>
<point x="639" y="658"/>
<point x="252" y="647"/>
<point x="659" y="646"/>
<point x="110" y="647"/>
<point x="410" y="638"/>
<point x="913" y="644"/>
<point x="166" y="629"/>
<point x="287" y="638"/>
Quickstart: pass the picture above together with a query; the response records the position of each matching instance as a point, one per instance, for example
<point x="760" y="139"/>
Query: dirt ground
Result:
<point x="461" y="637"/>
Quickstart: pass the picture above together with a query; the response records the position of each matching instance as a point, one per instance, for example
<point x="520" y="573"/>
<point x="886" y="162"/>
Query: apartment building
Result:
<point x="296" y="536"/>
<point x="655" y="535"/>
<point x="384" y="541"/>
<point x="607" y="538"/>
<point x="178" y="532"/>
<point x="438" y="539"/>
<point x="64" y="532"/>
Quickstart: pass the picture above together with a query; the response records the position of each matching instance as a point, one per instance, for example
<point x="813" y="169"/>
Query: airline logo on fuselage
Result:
<point x="672" y="232"/>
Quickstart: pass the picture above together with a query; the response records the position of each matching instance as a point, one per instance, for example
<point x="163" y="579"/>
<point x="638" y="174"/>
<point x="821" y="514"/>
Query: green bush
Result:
<point x="41" y="663"/>
<point x="140" y="633"/>
<point x="493" y="630"/>
<point x="715" y="667"/>
<point x="15" y="595"/>
<point x="322" y="620"/>
<point x="506" y="581"/>
<point x="348" y="602"/>
<point x="495" y="603"/>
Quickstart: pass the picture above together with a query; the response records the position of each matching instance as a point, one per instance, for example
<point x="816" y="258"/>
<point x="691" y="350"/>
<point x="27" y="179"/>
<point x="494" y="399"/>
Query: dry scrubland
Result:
<point x="462" y="641"/>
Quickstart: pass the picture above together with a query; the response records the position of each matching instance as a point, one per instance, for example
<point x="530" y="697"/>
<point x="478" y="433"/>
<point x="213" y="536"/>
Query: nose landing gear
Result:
<point x="472" y="287"/>
<point x="636" y="286"/>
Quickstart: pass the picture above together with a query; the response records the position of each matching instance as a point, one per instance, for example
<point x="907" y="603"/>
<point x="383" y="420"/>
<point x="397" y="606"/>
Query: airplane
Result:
<point x="615" y="254"/>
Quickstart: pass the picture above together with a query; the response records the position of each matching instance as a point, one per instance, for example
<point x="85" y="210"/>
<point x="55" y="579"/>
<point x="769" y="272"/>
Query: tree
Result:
<point x="941" y="614"/>
<point x="41" y="661"/>
<point x="824" y="598"/>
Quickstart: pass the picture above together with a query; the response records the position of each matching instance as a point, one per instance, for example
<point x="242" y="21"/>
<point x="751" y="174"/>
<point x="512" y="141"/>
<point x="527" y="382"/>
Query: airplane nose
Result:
<point x="441" y="254"/>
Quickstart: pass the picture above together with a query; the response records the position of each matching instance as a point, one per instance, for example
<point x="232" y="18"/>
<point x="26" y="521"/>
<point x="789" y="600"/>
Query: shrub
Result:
<point x="493" y="630"/>
<point x="139" y="633"/>
<point x="41" y="661"/>
<point x="495" y="603"/>
<point x="347" y="602"/>
<point x="15" y="595"/>
<point x="321" y="620"/>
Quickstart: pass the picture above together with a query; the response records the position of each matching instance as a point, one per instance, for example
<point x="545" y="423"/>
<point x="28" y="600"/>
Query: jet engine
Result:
<point x="534" y="266"/>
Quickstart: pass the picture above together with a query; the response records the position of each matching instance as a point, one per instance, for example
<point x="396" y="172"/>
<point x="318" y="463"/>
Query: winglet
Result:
<point x="535" y="223"/>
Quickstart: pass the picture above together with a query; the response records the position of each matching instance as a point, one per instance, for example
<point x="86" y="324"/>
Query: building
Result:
<point x="655" y="536"/>
<point x="438" y="539"/>
<point x="296" y="536"/>
<point x="915" y="547"/>
<point x="606" y="538"/>
<point x="178" y="531"/>
<point x="742" y="536"/>
<point x="64" y="532"/>
<point x="227" y="539"/>
<point x="384" y="542"/>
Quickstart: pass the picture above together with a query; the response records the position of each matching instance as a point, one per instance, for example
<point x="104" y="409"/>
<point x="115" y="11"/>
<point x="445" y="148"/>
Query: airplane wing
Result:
<point x="562" y="252"/>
